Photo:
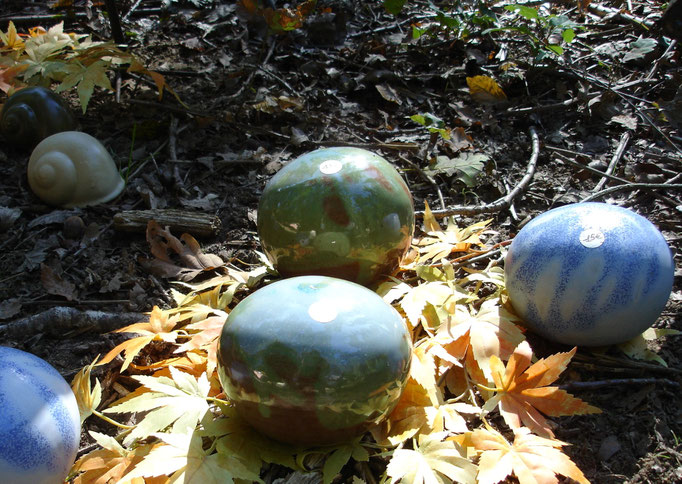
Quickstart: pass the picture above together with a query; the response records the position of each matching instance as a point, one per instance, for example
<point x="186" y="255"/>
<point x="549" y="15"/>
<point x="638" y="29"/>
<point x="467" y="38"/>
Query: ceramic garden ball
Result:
<point x="32" y="114"/>
<point x="313" y="360"/>
<point x="73" y="169"/>
<point x="589" y="274"/>
<point x="39" y="421"/>
<point x="340" y="212"/>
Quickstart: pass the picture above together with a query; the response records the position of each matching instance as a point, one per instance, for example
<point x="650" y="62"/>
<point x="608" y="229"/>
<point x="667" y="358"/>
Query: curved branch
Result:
<point x="501" y="203"/>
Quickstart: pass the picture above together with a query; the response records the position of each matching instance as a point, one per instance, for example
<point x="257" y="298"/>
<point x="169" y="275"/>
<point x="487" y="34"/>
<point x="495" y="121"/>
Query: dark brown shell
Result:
<point x="32" y="114"/>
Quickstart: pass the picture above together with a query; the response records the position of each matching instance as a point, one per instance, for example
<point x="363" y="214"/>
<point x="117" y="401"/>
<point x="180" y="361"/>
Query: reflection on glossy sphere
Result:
<point x="589" y="274"/>
<point x="313" y="360"/>
<point x="340" y="212"/>
<point x="39" y="421"/>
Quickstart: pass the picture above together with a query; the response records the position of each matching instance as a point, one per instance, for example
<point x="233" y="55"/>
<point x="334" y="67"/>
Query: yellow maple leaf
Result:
<point x="158" y="328"/>
<point x="532" y="459"/>
<point x="11" y="39"/>
<point x="205" y="338"/>
<point x="88" y="398"/>
<point x="522" y="391"/>
<point x="432" y="461"/>
<point x="485" y="90"/>
<point x="439" y="243"/>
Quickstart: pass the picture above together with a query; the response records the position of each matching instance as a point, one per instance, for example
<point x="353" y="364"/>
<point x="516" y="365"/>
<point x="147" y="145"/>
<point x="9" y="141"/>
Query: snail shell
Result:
<point x="32" y="114"/>
<point x="73" y="169"/>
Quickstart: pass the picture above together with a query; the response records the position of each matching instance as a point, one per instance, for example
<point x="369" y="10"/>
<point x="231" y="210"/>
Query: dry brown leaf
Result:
<point x="53" y="283"/>
<point x="165" y="247"/>
<point x="532" y="459"/>
<point x="522" y="391"/>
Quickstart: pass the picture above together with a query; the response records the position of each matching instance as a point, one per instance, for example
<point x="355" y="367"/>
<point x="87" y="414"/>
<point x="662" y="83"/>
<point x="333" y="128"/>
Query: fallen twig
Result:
<point x="500" y="203"/>
<point x="632" y="186"/>
<point x="565" y="159"/>
<point x="614" y="161"/>
<point x="59" y="321"/>
<point x="593" y="385"/>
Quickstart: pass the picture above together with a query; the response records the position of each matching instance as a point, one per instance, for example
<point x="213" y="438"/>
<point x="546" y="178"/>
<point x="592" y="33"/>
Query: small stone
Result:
<point x="74" y="227"/>
<point x="608" y="447"/>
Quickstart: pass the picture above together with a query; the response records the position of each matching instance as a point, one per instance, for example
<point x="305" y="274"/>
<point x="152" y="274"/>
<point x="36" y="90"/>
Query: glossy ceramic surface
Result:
<point x="32" y="114"/>
<point x="314" y="360"/>
<point x="589" y="274"/>
<point x="39" y="421"/>
<point x="341" y="212"/>
<point x="73" y="169"/>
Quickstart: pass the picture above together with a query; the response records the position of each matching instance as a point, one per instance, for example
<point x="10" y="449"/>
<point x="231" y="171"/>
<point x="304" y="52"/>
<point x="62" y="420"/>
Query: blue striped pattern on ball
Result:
<point x="39" y="424"/>
<point x="589" y="274"/>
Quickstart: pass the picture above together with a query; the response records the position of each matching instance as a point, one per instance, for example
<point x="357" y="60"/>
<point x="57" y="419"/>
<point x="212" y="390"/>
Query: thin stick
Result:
<point x="500" y="203"/>
<point x="632" y="186"/>
<point x="593" y="385"/>
<point x="625" y="137"/>
<point x="565" y="159"/>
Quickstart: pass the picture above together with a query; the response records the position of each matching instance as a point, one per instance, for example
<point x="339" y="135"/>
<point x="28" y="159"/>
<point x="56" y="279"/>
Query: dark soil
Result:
<point x="353" y="75"/>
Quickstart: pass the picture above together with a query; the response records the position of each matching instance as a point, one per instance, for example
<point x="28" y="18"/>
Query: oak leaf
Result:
<point x="532" y="459"/>
<point x="433" y="461"/>
<point x="522" y="392"/>
<point x="158" y="328"/>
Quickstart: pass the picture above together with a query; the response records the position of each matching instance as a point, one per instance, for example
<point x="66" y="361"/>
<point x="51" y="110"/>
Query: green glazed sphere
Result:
<point x="339" y="212"/>
<point x="32" y="114"/>
<point x="314" y="360"/>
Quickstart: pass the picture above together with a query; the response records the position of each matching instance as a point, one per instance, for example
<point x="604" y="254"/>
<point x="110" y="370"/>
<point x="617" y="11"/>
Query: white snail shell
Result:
<point x="73" y="169"/>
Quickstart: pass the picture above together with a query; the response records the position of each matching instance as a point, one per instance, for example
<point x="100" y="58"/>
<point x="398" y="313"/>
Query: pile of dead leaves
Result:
<point x="471" y="362"/>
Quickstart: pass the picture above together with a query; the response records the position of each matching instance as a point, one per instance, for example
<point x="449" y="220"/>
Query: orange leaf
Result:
<point x="533" y="459"/>
<point x="522" y="391"/>
<point x="159" y="80"/>
<point x="7" y="78"/>
<point x="206" y="339"/>
<point x="485" y="90"/>
<point x="158" y="328"/>
<point x="108" y="464"/>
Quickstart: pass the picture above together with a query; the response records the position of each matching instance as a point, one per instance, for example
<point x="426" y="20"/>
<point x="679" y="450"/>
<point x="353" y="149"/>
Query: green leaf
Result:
<point x="467" y="166"/>
<point x="86" y="78"/>
<point x="557" y="49"/>
<point x="394" y="6"/>
<point x="526" y="12"/>
<point x="639" y="49"/>
<point x="568" y="35"/>
<point x="433" y="123"/>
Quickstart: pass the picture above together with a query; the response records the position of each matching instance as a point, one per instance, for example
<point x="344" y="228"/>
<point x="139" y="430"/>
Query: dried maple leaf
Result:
<point x="532" y="459"/>
<point x="522" y="391"/>
<point x="11" y="39"/>
<point x="158" y="328"/>
<point x="164" y="245"/>
<point x="206" y="338"/>
<point x="88" y="398"/>
<point x="433" y="461"/>
<point x="439" y="244"/>
<point x="110" y="463"/>
<point x="491" y="331"/>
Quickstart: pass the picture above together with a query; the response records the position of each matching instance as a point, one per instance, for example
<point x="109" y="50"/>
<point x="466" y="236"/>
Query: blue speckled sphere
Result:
<point x="314" y="360"/>
<point x="589" y="274"/>
<point x="39" y="421"/>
